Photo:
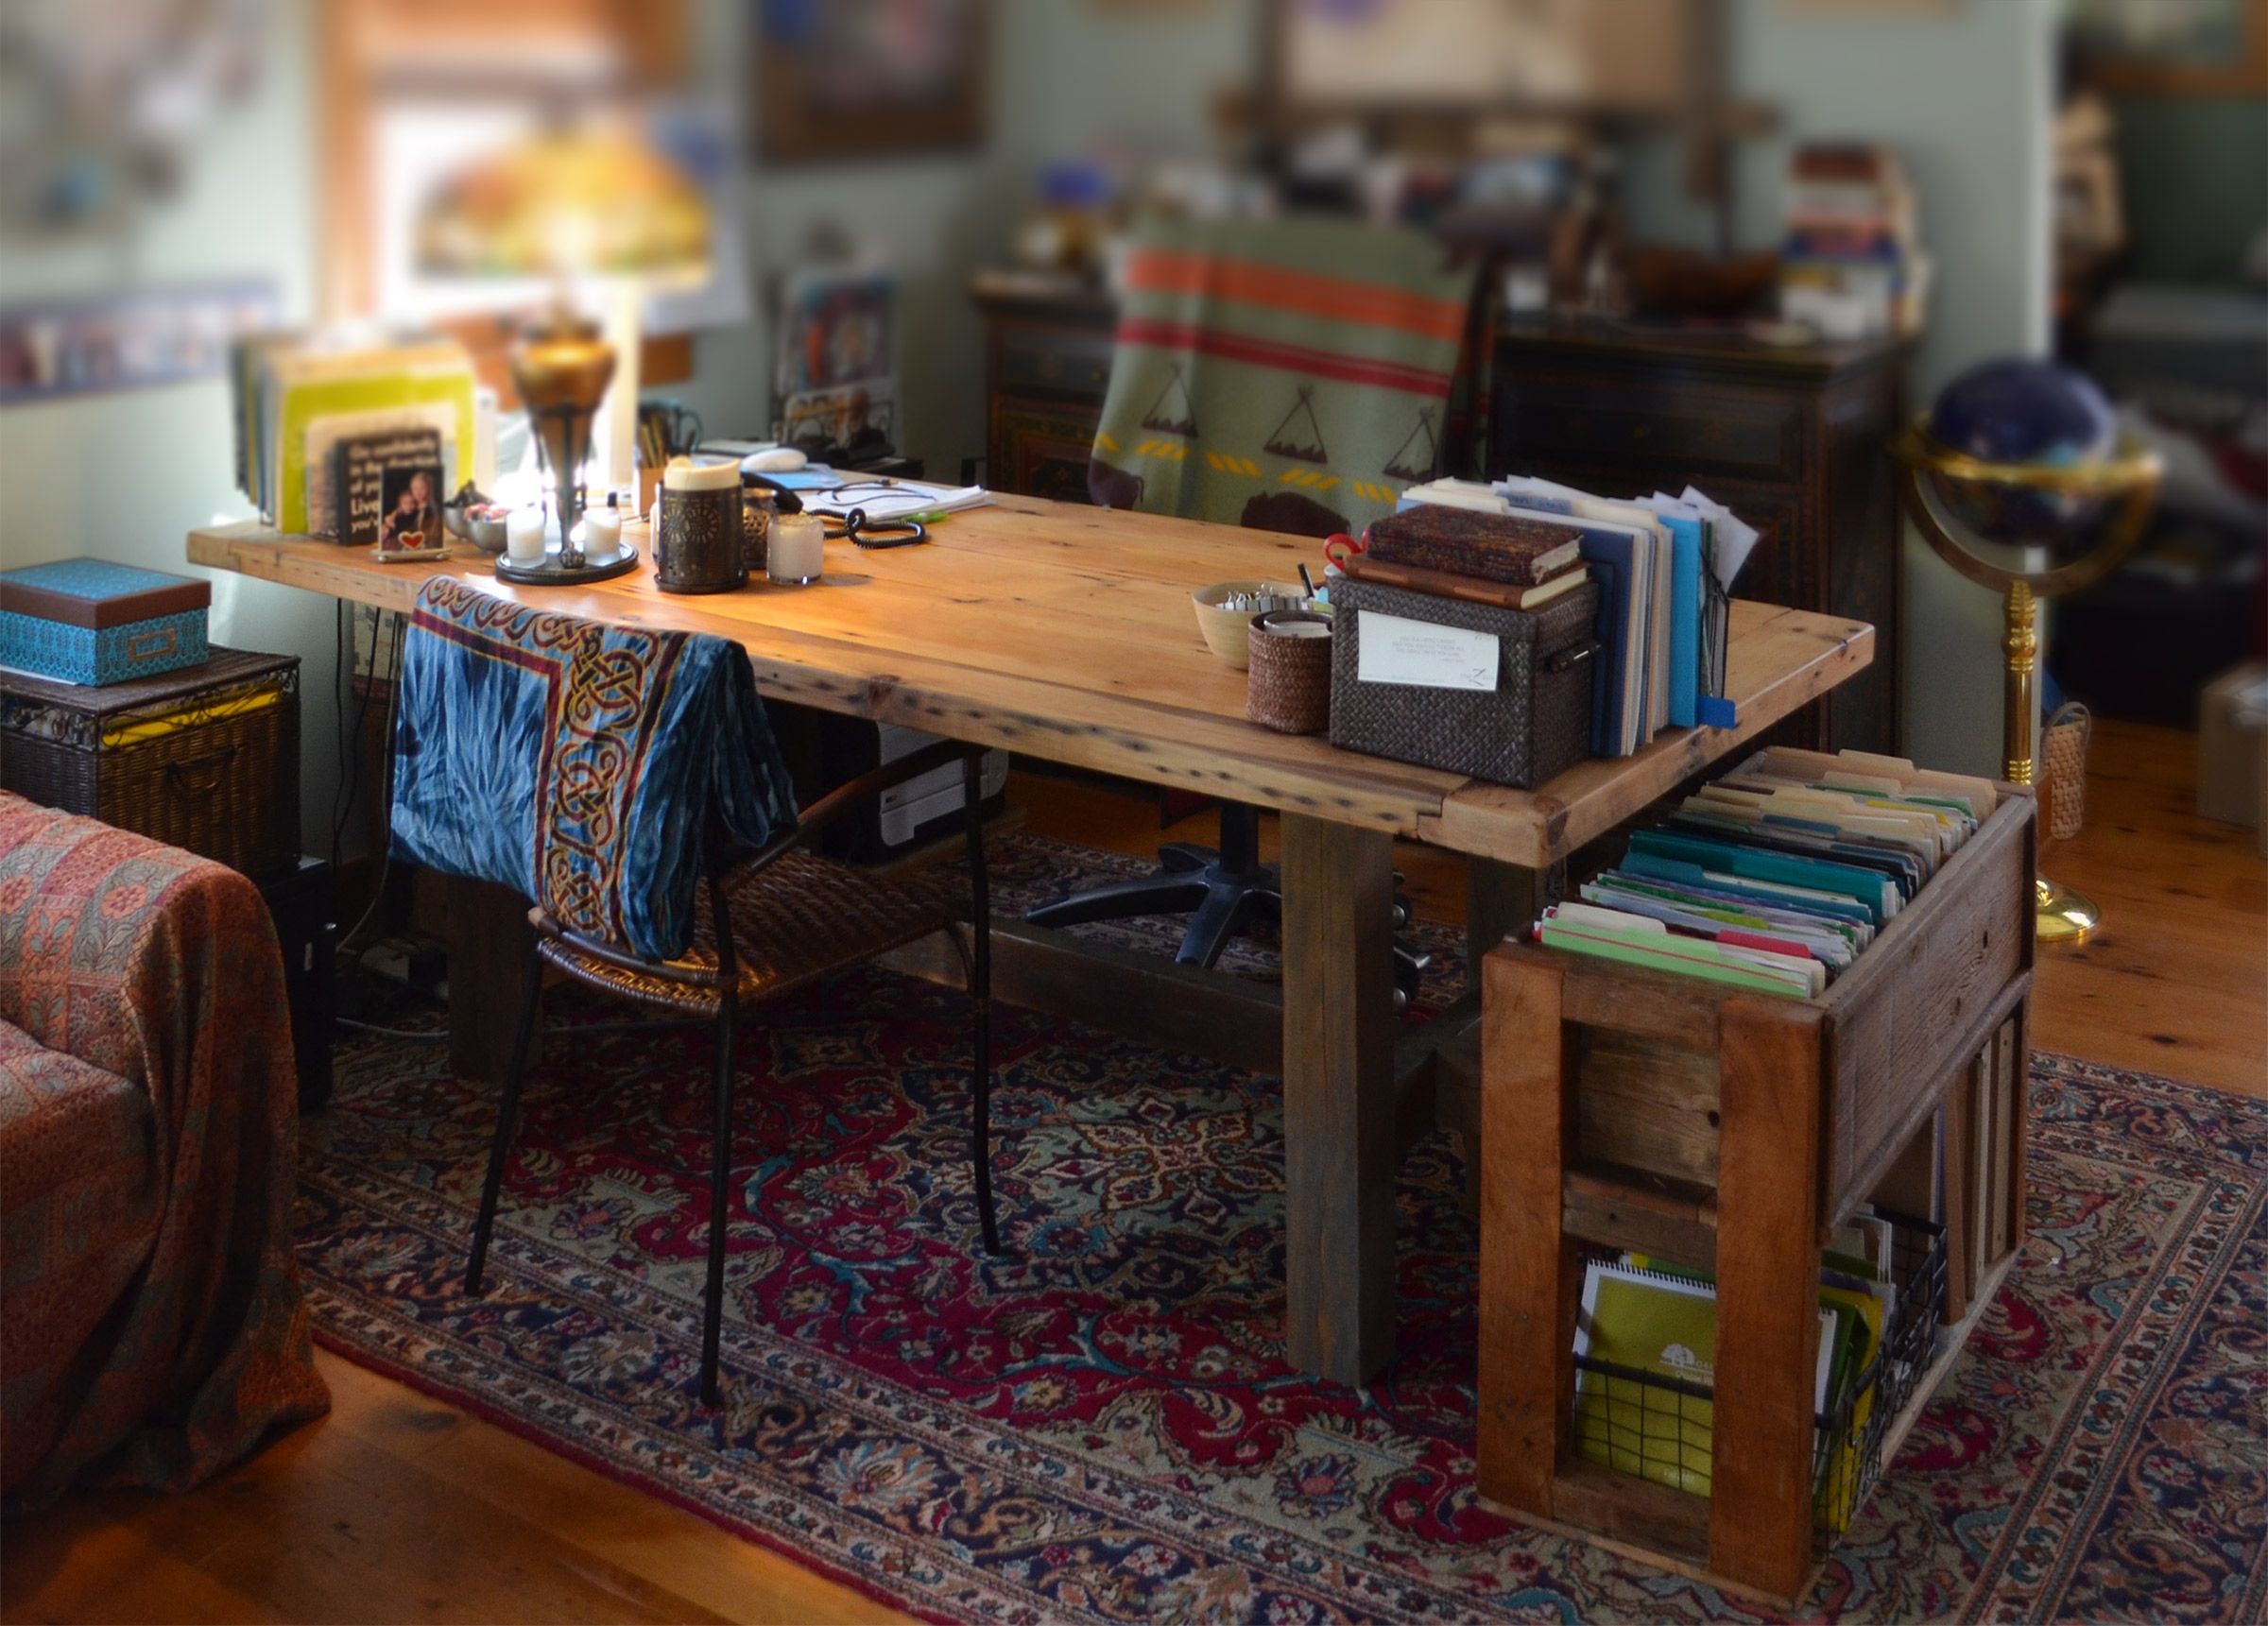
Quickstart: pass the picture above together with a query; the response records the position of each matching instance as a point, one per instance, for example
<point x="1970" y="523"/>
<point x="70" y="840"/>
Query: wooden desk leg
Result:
<point x="1529" y="1282"/>
<point x="1499" y="899"/>
<point x="1759" y="1526"/>
<point x="489" y="941"/>
<point x="1338" y="1097"/>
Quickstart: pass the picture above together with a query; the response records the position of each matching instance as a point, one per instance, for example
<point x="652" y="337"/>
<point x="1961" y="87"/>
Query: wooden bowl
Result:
<point x="1228" y="631"/>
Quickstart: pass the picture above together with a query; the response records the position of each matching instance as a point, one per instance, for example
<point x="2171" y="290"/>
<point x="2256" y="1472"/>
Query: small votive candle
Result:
<point x="524" y="536"/>
<point x="796" y="551"/>
<point x="602" y="536"/>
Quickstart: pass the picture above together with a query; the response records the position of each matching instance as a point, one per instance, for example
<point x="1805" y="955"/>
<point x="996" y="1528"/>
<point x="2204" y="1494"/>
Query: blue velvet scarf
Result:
<point x="576" y="762"/>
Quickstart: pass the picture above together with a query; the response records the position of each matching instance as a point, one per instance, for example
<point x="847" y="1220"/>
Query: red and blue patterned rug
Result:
<point x="1102" y="1428"/>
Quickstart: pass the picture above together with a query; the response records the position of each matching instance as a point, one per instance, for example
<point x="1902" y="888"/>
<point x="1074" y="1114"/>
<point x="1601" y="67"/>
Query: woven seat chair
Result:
<point x="626" y="779"/>
<point x="773" y="921"/>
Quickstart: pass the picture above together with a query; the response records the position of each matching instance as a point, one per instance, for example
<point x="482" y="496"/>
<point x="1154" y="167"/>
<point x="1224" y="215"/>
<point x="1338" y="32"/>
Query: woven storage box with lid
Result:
<point x="1534" y="724"/>
<point x="206" y="760"/>
<point x="90" y="620"/>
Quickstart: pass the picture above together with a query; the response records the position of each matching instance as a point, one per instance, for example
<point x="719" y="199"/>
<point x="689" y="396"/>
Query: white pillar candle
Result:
<point x="796" y="551"/>
<point x="524" y="536"/>
<point x="602" y="534"/>
<point x="684" y="474"/>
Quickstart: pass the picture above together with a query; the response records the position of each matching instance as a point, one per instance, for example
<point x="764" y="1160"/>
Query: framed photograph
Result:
<point x="2169" y="48"/>
<point x="858" y="78"/>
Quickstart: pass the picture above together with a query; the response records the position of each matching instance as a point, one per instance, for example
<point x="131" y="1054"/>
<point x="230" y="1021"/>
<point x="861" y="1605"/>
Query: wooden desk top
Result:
<point x="1066" y="633"/>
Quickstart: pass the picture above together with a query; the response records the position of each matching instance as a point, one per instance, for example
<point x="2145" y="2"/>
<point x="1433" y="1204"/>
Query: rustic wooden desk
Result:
<point x="1065" y="633"/>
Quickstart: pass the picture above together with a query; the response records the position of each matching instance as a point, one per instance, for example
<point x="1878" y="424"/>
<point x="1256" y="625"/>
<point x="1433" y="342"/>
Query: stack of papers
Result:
<point x="296" y="395"/>
<point x="1776" y="876"/>
<point x="905" y="499"/>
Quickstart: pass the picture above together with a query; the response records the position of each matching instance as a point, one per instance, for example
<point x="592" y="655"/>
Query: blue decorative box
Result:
<point x="90" y="620"/>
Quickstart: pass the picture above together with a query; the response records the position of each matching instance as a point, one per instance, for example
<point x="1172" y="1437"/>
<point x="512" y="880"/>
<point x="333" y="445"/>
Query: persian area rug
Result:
<point x="1102" y="1428"/>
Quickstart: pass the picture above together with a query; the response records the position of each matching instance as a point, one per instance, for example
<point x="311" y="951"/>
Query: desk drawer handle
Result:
<point x="1571" y="657"/>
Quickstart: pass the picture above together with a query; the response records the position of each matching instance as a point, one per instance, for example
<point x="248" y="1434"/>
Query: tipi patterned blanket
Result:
<point x="578" y="762"/>
<point x="1288" y="375"/>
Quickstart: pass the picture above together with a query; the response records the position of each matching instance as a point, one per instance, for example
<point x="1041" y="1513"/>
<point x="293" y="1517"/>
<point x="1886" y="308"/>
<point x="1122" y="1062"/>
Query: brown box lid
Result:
<point x="98" y="593"/>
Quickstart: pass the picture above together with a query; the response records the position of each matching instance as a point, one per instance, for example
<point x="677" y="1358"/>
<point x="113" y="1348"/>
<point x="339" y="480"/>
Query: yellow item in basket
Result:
<point x="140" y="731"/>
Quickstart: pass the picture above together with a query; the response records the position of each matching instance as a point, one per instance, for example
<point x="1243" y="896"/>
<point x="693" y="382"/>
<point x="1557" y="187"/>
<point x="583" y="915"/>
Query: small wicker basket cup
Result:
<point x="1287" y="687"/>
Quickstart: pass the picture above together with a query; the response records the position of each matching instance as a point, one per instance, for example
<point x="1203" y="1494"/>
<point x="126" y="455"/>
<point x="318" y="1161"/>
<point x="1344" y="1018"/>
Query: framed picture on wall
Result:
<point x="862" y="78"/>
<point x="2159" y="47"/>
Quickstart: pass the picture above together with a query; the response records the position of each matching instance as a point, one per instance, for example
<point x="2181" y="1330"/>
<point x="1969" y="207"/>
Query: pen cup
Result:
<point x="1287" y="684"/>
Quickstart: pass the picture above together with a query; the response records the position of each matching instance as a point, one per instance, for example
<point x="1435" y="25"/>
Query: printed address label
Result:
<point x="1398" y="650"/>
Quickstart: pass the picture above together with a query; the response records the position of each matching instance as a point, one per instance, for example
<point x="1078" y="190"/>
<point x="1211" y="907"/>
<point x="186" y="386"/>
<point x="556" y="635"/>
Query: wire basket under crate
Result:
<point x="205" y="759"/>
<point x="1662" y="1428"/>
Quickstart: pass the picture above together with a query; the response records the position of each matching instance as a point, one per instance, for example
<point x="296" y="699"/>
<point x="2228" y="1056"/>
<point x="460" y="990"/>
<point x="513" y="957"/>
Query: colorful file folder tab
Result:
<point x="1775" y="876"/>
<point x="1645" y="1355"/>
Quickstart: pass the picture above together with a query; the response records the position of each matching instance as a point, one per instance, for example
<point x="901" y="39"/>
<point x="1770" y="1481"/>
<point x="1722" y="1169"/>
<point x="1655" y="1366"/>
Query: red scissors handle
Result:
<point x="1339" y="547"/>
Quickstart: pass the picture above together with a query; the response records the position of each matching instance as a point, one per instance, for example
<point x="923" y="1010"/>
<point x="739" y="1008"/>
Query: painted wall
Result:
<point x="126" y="476"/>
<point x="1069" y="77"/>
<point x="1964" y="94"/>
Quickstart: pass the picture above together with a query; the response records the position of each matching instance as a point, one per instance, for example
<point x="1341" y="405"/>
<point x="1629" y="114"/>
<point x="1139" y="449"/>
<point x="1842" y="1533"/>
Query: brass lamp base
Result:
<point x="2061" y="915"/>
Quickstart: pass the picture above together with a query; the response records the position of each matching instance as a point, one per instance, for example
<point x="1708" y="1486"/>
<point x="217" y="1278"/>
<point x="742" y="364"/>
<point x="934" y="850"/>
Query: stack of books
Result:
<point x="1654" y="1325"/>
<point x="1663" y="565"/>
<point x="1776" y="876"/>
<point x="296" y="395"/>
<point x="1851" y="264"/>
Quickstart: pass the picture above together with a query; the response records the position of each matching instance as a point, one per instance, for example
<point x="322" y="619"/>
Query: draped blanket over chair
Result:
<point x="154" y="1331"/>
<point x="574" y="761"/>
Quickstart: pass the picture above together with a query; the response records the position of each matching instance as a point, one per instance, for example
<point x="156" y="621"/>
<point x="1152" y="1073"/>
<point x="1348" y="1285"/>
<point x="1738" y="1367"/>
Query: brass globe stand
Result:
<point x="2129" y="479"/>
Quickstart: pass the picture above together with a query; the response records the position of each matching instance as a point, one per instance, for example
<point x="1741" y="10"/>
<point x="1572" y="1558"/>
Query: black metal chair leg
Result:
<point x="507" y="1113"/>
<point x="720" y="1178"/>
<point x="980" y="1002"/>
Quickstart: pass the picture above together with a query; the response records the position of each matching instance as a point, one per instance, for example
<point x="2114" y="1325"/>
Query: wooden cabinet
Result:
<point x="1627" y="1109"/>
<point x="1791" y="438"/>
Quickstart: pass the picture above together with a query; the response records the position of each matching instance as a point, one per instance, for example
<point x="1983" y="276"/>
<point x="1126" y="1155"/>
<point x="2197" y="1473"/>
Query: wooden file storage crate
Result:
<point x="1629" y="1108"/>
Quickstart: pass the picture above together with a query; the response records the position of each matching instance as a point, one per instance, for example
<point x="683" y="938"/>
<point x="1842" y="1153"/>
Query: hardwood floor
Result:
<point x="399" y="1506"/>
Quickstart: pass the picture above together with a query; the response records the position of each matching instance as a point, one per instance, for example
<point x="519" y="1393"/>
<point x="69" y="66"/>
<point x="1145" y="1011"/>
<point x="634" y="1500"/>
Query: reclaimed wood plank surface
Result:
<point x="1065" y="632"/>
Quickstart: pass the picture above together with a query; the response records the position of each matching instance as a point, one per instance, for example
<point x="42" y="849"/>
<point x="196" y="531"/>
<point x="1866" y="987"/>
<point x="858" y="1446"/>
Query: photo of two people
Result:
<point x="413" y="512"/>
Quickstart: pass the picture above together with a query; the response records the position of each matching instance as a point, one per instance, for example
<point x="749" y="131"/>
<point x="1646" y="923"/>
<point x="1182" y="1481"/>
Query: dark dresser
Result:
<point x="1792" y="439"/>
<point x="1047" y="363"/>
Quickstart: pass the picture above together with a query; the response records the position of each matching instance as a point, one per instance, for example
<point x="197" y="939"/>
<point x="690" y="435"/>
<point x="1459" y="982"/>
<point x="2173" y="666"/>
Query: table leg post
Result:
<point x="1759" y="1526"/>
<point x="489" y="941"/>
<point x="1338" y="1097"/>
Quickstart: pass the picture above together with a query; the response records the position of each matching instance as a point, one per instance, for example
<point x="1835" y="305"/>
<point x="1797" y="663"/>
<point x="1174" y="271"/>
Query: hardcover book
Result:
<point x="1515" y="549"/>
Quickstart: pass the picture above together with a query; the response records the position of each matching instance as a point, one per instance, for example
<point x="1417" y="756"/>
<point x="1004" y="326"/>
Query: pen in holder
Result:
<point x="1287" y="686"/>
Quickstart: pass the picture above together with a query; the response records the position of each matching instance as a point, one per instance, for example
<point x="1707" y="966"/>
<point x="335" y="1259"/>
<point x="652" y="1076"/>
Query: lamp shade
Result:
<point x="568" y="202"/>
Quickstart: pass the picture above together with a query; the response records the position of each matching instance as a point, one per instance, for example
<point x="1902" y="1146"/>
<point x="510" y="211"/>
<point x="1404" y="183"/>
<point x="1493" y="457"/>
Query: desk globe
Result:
<point x="2020" y="480"/>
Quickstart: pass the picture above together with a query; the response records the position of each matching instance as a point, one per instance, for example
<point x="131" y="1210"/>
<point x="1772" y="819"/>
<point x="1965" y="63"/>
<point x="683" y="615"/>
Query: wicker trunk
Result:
<point x="205" y="759"/>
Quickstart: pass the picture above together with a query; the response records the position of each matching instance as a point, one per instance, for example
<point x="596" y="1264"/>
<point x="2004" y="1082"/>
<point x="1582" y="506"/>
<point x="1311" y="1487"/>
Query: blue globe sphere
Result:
<point x="2021" y="411"/>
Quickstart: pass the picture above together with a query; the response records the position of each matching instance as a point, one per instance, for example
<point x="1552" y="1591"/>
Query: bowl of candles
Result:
<point x="1225" y="612"/>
